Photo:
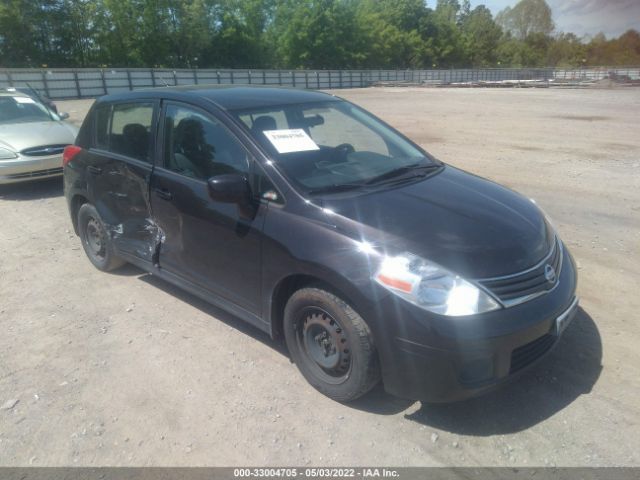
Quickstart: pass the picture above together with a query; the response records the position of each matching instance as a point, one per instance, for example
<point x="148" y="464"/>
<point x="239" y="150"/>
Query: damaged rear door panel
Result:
<point x="118" y="173"/>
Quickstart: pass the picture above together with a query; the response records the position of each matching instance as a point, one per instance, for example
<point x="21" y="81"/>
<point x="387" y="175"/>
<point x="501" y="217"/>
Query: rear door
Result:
<point x="119" y="170"/>
<point x="210" y="244"/>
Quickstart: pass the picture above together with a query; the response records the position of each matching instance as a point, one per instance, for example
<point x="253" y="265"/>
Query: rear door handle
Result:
<point x="163" y="193"/>
<point x="94" y="170"/>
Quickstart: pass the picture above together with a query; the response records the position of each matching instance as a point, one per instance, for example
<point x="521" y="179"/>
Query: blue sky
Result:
<point x="583" y="17"/>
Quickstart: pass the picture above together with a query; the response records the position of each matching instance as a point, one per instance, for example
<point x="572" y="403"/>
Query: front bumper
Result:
<point x="26" y="168"/>
<point x="443" y="359"/>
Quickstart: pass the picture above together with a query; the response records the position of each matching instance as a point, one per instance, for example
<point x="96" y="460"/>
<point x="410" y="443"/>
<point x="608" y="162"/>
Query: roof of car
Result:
<point x="230" y="97"/>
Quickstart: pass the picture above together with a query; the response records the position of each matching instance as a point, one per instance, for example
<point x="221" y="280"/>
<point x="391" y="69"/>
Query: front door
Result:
<point x="210" y="244"/>
<point x="118" y="173"/>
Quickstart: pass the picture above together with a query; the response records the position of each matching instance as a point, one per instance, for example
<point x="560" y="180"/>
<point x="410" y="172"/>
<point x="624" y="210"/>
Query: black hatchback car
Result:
<point x="313" y="220"/>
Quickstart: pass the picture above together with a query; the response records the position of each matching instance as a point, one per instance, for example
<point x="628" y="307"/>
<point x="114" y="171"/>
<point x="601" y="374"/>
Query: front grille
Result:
<point x="519" y="287"/>
<point x="39" y="173"/>
<point x="529" y="353"/>
<point x="43" y="151"/>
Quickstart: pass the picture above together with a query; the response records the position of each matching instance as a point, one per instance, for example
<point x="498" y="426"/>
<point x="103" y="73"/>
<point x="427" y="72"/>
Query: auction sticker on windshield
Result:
<point x="294" y="140"/>
<point x="24" y="99"/>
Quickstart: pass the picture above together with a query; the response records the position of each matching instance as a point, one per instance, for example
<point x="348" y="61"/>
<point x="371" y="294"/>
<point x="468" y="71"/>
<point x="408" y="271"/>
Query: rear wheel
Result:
<point x="331" y="344"/>
<point x="96" y="240"/>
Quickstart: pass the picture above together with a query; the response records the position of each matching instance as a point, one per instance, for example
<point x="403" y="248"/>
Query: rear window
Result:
<point x="125" y="128"/>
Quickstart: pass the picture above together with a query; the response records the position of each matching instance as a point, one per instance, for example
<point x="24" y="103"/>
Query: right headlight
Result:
<point x="6" y="154"/>
<point x="432" y="287"/>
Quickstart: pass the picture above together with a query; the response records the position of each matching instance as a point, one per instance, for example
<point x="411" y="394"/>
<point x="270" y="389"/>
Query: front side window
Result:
<point x="197" y="146"/>
<point x="332" y="145"/>
<point x="130" y="132"/>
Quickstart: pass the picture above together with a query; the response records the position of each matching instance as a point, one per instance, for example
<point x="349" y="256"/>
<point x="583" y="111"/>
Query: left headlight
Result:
<point x="6" y="154"/>
<point x="432" y="287"/>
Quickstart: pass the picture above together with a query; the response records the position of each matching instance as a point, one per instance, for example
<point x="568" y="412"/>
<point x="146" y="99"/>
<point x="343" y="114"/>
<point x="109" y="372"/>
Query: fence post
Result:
<point x="75" y="78"/>
<point x="129" y="79"/>
<point x="361" y="80"/>
<point x="293" y="78"/>
<point x="264" y="77"/>
<point x="153" y="78"/>
<point x="329" y="73"/>
<point x="218" y="76"/>
<point x="175" y="78"/>
<point x="9" y="78"/>
<point x="249" y="74"/>
<point x="340" y="78"/>
<point x="279" y="78"/>
<point x="306" y="79"/>
<point x="104" y="82"/>
<point x="46" y="85"/>
<point x="195" y="76"/>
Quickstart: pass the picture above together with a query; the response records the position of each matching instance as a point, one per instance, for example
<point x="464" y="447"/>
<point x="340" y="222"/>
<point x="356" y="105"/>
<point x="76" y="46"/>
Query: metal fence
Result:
<point x="88" y="83"/>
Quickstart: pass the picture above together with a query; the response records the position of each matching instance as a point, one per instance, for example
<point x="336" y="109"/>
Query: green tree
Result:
<point x="481" y="37"/>
<point x="390" y="33"/>
<point x="316" y="34"/>
<point x="525" y="18"/>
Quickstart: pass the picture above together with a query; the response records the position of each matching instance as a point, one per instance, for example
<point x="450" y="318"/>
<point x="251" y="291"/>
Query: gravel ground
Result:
<point x="123" y="369"/>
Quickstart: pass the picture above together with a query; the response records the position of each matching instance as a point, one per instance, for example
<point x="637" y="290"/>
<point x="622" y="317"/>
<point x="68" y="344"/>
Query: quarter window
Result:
<point x="103" y="113"/>
<point x="197" y="146"/>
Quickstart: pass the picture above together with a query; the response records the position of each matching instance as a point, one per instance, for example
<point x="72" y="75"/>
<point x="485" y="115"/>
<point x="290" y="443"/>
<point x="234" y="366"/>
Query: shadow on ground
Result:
<point x="33" y="190"/>
<point x="211" y="310"/>
<point x="571" y="370"/>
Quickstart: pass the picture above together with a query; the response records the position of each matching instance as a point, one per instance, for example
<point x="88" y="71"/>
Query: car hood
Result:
<point x="465" y="223"/>
<point x="18" y="136"/>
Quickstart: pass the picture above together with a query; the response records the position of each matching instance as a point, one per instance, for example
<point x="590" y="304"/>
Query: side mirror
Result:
<point x="230" y="188"/>
<point x="63" y="115"/>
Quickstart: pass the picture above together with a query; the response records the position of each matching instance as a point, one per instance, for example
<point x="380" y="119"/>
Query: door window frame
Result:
<point x="253" y="163"/>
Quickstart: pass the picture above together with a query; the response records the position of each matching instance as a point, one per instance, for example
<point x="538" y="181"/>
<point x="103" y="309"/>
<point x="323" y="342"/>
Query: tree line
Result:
<point x="314" y="34"/>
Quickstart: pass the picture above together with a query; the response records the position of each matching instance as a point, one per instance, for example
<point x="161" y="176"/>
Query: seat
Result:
<point x="136" y="140"/>
<point x="262" y="123"/>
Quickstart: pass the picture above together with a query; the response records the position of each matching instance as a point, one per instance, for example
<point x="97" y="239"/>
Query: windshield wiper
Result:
<point x="419" y="170"/>
<point x="339" y="187"/>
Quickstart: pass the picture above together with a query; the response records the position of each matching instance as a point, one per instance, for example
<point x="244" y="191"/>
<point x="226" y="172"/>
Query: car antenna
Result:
<point x="35" y="92"/>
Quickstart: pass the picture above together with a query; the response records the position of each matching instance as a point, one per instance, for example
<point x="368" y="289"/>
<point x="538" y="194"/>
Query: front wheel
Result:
<point x="331" y="344"/>
<point x="96" y="240"/>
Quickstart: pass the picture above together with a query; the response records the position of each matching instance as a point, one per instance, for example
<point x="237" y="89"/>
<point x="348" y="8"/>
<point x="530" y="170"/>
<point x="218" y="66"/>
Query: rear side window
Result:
<point x="125" y="128"/>
<point x="130" y="132"/>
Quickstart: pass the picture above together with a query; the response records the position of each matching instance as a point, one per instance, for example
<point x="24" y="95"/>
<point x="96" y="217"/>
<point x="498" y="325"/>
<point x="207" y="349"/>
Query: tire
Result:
<point x="96" y="240"/>
<point x="331" y="344"/>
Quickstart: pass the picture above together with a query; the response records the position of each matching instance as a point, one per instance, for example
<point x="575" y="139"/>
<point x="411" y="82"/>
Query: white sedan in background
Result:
<point x="32" y="138"/>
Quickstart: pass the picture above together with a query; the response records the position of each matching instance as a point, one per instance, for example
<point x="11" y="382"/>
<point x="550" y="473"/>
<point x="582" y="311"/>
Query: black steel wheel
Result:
<point x="331" y="344"/>
<point x="95" y="239"/>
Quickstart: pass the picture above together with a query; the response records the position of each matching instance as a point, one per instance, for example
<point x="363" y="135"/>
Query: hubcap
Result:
<point x="325" y="342"/>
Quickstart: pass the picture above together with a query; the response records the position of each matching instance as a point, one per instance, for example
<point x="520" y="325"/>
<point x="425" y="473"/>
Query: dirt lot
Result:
<point x="123" y="369"/>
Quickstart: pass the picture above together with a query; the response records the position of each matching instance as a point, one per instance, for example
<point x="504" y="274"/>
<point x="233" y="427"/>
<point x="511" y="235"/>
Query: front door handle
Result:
<point x="163" y="193"/>
<point x="94" y="170"/>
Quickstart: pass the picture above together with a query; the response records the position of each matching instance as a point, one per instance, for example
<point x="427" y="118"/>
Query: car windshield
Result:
<point x="20" y="109"/>
<point x="333" y="146"/>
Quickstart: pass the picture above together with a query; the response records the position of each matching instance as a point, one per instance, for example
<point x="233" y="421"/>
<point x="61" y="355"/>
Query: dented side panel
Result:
<point x="120" y="188"/>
